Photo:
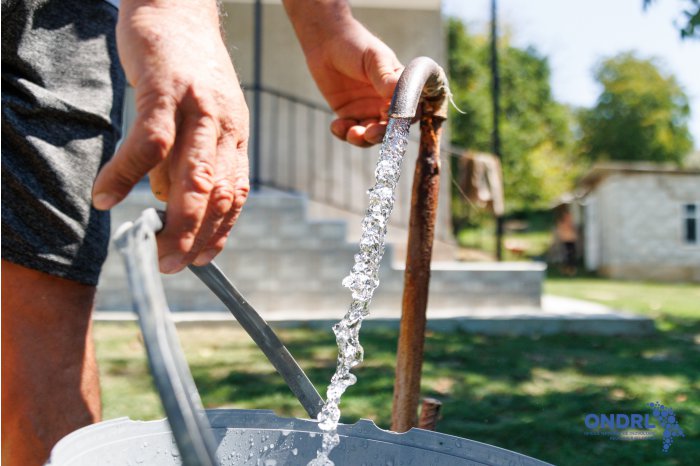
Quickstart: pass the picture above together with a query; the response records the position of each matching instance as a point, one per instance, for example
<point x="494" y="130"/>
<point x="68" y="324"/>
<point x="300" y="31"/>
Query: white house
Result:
<point x="642" y="221"/>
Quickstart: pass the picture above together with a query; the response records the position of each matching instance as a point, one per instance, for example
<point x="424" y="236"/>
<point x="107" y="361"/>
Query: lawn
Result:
<point x="658" y="300"/>
<point x="527" y="394"/>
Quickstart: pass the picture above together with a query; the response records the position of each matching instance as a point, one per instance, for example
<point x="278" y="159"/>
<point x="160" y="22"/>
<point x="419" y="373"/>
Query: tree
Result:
<point x="641" y="114"/>
<point x="537" y="142"/>
<point x="691" y="28"/>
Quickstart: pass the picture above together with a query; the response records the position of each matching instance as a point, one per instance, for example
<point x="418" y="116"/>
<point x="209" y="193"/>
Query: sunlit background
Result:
<point x="566" y="263"/>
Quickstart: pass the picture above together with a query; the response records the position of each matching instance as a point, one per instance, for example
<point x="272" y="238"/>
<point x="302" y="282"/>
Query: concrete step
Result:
<point x="308" y="289"/>
<point x="281" y="260"/>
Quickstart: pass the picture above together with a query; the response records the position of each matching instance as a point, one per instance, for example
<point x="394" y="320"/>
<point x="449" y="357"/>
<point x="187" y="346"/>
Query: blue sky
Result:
<point x="576" y="34"/>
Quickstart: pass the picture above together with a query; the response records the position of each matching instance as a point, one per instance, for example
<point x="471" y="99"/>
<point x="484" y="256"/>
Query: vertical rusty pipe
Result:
<point x="423" y="83"/>
<point x="429" y="414"/>
<point x="424" y="204"/>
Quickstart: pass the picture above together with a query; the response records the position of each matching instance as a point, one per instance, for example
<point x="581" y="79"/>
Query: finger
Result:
<point x="383" y="68"/>
<point x="362" y="108"/>
<point x="149" y="143"/>
<point x="356" y="136"/>
<point x="240" y="194"/>
<point x="160" y="181"/>
<point x="340" y="127"/>
<point x="192" y="172"/>
<point x="353" y="131"/>
<point x="220" y="203"/>
<point x="374" y="134"/>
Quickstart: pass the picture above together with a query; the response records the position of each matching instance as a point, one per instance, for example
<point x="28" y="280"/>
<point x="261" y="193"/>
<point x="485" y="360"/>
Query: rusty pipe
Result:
<point x="429" y="413"/>
<point x="422" y="86"/>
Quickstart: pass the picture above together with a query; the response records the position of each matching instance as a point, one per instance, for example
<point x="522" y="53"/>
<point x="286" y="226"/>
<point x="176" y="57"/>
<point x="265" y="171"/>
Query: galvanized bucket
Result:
<point x="259" y="437"/>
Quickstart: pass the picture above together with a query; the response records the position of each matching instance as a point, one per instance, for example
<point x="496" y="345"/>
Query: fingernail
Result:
<point x="104" y="201"/>
<point x="205" y="257"/>
<point x="170" y="263"/>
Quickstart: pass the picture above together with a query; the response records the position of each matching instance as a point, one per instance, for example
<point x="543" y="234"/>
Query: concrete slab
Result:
<point x="558" y="315"/>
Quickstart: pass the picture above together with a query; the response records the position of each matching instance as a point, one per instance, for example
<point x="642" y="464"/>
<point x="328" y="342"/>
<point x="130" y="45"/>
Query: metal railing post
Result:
<point x="257" y="88"/>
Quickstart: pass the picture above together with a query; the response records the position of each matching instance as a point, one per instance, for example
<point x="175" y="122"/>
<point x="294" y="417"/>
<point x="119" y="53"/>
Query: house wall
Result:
<point x="639" y="226"/>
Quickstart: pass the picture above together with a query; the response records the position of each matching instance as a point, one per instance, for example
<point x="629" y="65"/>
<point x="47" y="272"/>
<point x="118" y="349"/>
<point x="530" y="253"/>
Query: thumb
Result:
<point x="382" y="68"/>
<point x="149" y="143"/>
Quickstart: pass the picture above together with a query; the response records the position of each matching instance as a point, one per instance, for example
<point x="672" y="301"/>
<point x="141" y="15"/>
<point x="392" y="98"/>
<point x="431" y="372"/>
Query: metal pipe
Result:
<point x="496" y="110"/>
<point x="263" y="336"/>
<point x="429" y="414"/>
<point x="422" y="81"/>
<point x="423" y="84"/>
<point x="257" y="87"/>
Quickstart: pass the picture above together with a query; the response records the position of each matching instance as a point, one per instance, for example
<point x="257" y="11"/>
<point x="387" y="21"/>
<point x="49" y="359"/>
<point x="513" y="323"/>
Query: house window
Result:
<point x="691" y="222"/>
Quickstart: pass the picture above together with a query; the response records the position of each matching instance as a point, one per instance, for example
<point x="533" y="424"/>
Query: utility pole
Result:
<point x="495" y="135"/>
<point x="257" y="88"/>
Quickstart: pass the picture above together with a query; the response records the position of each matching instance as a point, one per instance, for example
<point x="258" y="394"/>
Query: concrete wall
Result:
<point x="638" y="222"/>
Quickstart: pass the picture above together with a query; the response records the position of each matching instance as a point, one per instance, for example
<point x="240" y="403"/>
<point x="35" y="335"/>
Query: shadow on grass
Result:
<point x="527" y="394"/>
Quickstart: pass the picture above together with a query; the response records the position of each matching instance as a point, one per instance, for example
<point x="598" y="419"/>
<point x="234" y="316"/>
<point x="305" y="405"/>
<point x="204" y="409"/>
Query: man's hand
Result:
<point x="191" y="130"/>
<point x="355" y="71"/>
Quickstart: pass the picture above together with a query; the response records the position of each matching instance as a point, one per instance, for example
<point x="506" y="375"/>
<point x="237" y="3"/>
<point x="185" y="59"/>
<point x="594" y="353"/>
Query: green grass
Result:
<point x="658" y="300"/>
<point x="527" y="394"/>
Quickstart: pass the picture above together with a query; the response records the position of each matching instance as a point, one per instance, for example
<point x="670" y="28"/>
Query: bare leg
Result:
<point x="50" y="383"/>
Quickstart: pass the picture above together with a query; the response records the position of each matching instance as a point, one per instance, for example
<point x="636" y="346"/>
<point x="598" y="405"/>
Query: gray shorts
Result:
<point x="62" y="93"/>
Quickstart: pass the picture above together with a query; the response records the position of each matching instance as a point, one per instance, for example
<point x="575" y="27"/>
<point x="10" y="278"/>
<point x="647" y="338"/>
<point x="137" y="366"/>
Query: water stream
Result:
<point x="362" y="281"/>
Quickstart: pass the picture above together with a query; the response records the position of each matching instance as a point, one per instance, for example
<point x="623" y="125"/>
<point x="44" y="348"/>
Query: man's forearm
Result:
<point x="207" y="12"/>
<point x="312" y="19"/>
<point x="204" y="6"/>
<point x="354" y="70"/>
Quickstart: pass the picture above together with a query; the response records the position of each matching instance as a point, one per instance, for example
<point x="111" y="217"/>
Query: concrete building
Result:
<point x="642" y="221"/>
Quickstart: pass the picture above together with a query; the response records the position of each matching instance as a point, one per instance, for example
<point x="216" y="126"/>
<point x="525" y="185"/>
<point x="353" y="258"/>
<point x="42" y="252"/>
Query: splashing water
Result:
<point x="362" y="281"/>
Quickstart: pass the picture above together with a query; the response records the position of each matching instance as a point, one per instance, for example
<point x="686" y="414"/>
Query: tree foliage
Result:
<point x="641" y="114"/>
<point x="536" y="140"/>
<point x="690" y="27"/>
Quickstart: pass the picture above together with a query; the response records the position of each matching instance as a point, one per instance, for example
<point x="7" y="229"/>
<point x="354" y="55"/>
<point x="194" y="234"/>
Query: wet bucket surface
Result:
<point x="259" y="437"/>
